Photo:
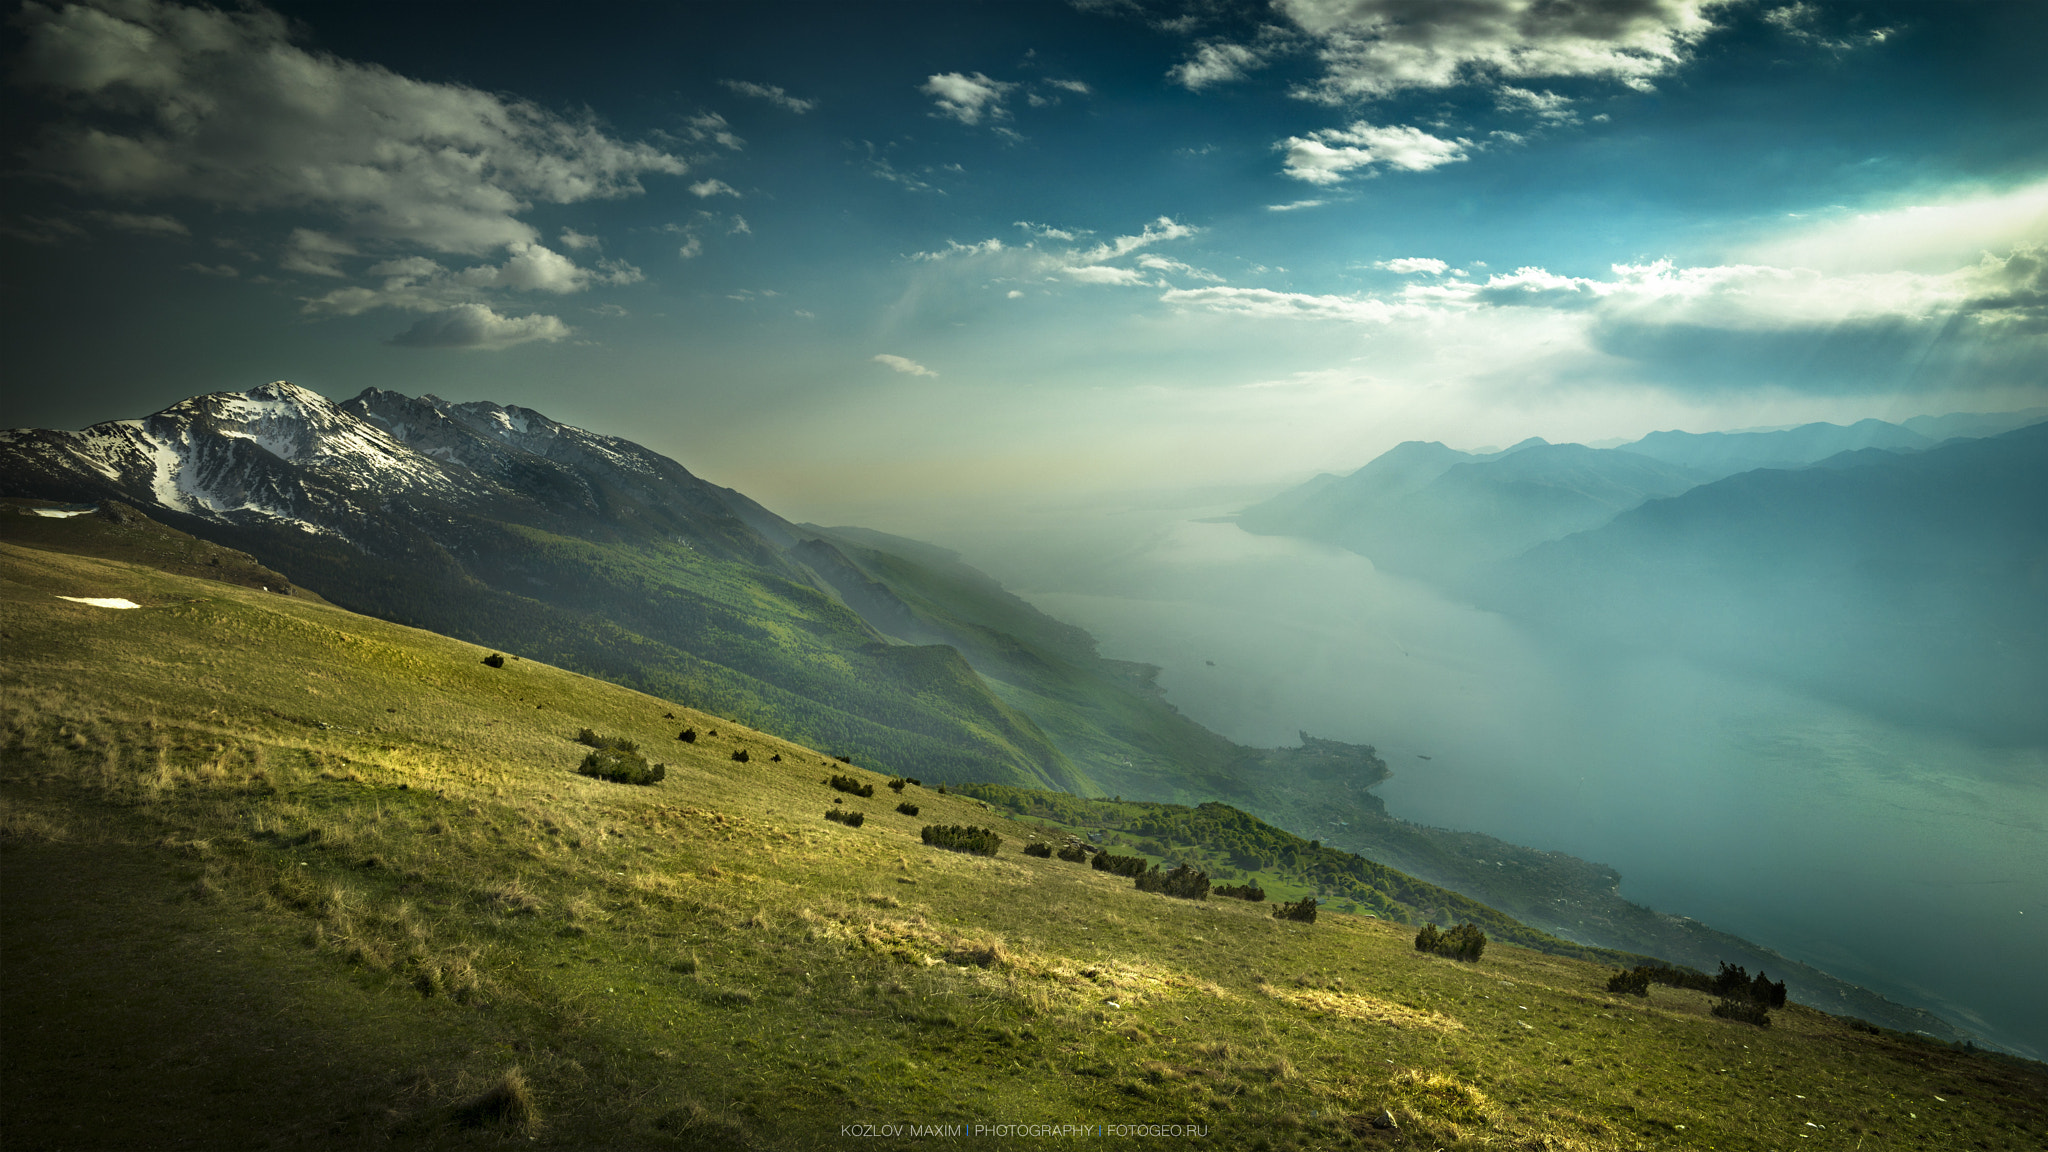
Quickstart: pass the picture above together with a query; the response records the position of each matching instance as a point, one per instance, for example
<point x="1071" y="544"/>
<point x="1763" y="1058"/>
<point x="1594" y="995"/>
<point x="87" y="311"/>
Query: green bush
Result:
<point x="1465" y="942"/>
<point x="687" y="735"/>
<point x="1073" y="854"/>
<point x="1634" y="982"/>
<point x="1042" y="851"/>
<point x="1303" y="910"/>
<point x="1132" y="866"/>
<point x="621" y="766"/>
<point x="962" y="838"/>
<point x="897" y="784"/>
<point x="616" y="743"/>
<point x="1251" y="892"/>
<point x="849" y="785"/>
<point x="1184" y="882"/>
<point x="741" y="756"/>
<point x="850" y="819"/>
<point x="907" y="808"/>
<point x="1743" y="1009"/>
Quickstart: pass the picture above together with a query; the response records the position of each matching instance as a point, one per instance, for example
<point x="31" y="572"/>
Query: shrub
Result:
<point x="1634" y="982"/>
<point x="1183" y="882"/>
<point x="897" y="784"/>
<point x="614" y="743"/>
<point x="1742" y="1009"/>
<point x="1251" y="892"/>
<point x="1042" y="851"/>
<point x="1303" y="910"/>
<point x="844" y="759"/>
<point x="1132" y="866"/>
<point x="687" y="735"/>
<point x="740" y="755"/>
<point x="1465" y="942"/>
<point x="850" y="785"/>
<point x="494" y="661"/>
<point x="1731" y="980"/>
<point x="962" y="838"/>
<point x="777" y="758"/>
<point x="1073" y="854"/>
<point x="1763" y="991"/>
<point x="907" y="808"/>
<point x="850" y="819"/>
<point x="621" y="766"/>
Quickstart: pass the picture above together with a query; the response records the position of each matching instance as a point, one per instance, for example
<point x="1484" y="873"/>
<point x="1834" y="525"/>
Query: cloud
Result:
<point x="1410" y="265"/>
<point x="1217" y="63"/>
<point x="1078" y="87"/>
<point x="903" y="364"/>
<point x="478" y="328"/>
<point x="576" y="241"/>
<point x="693" y="247"/>
<point x="967" y="99"/>
<point x="419" y="284"/>
<point x="704" y="189"/>
<point x="225" y="271"/>
<point x="1373" y="48"/>
<point x="315" y="253"/>
<point x="1296" y="206"/>
<point x="1053" y="254"/>
<point x="1328" y="156"/>
<point x="1268" y="303"/>
<point x="1542" y="105"/>
<point x="1105" y="274"/>
<point x="168" y="101"/>
<point x="1159" y="263"/>
<point x="772" y="93"/>
<point x="143" y="224"/>
<point x="1797" y="21"/>
<point x="1163" y="229"/>
<point x="711" y="126"/>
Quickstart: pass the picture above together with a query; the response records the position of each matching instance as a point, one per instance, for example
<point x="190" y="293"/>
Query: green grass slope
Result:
<point x="279" y="875"/>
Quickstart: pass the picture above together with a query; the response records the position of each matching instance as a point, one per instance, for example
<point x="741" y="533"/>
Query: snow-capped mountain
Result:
<point x="284" y="456"/>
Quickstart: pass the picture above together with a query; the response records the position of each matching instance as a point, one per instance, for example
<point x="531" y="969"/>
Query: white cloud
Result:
<point x="1076" y="86"/>
<point x="903" y="364"/>
<point x="1410" y="265"/>
<point x="772" y="93"/>
<point x="705" y="189"/>
<point x="1047" y="231"/>
<point x="1542" y="105"/>
<point x="954" y="249"/>
<point x="1265" y="302"/>
<point x="147" y="225"/>
<point x="739" y="226"/>
<point x="1105" y="274"/>
<point x="1373" y="48"/>
<point x="1296" y="206"/>
<point x="576" y="241"/>
<point x="711" y="126"/>
<point x="1160" y="263"/>
<point x="225" y="271"/>
<point x="693" y="247"/>
<point x="315" y="253"/>
<point x="479" y="328"/>
<point x="1328" y="156"/>
<point x="967" y="99"/>
<point x="1797" y="21"/>
<point x="1015" y="294"/>
<point x="419" y="284"/>
<point x="1163" y="229"/>
<point x="1216" y="63"/>
<point x="170" y="101"/>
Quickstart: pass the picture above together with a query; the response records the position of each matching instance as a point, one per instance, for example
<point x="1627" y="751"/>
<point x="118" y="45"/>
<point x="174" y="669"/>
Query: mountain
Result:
<point x="1717" y="454"/>
<point x="1912" y="585"/>
<point x="1424" y="509"/>
<point x="495" y="524"/>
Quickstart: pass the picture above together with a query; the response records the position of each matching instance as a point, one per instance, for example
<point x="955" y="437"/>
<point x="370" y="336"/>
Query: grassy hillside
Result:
<point x="278" y="875"/>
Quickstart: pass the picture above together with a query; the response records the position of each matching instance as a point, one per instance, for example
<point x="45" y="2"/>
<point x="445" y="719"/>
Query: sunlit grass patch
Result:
<point x="1355" y="1006"/>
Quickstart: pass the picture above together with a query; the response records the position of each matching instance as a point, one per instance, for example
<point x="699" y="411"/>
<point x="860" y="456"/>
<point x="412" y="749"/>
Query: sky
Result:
<point x="851" y="257"/>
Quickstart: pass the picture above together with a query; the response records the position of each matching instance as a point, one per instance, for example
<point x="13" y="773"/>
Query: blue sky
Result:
<point x="839" y="256"/>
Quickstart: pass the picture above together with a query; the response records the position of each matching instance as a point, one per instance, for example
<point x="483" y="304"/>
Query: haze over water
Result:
<point x="1908" y="860"/>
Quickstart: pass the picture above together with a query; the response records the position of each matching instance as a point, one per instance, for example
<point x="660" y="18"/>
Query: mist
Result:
<point x="1907" y="859"/>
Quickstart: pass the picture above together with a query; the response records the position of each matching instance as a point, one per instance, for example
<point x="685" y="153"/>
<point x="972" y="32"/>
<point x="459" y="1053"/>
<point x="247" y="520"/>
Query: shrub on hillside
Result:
<point x="1132" y="866"/>
<point x="962" y="838"/>
<point x="740" y="755"/>
<point x="849" y="785"/>
<point x="1634" y="982"/>
<point x="1251" y="892"/>
<point x="687" y="735"/>
<point x="494" y="661"/>
<point x="1303" y="910"/>
<point x="907" y="808"/>
<point x="1742" y="1009"/>
<point x="850" y="819"/>
<point x="897" y="784"/>
<point x="615" y="743"/>
<point x="1465" y="942"/>
<point x="1184" y="882"/>
<point x="1073" y="854"/>
<point x="621" y="766"/>
<point x="1042" y="851"/>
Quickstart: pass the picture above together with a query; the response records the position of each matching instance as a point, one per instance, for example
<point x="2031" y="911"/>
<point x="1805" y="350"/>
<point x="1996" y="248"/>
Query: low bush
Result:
<point x="907" y="808"/>
<point x="494" y="661"/>
<point x="1742" y="1009"/>
<point x="740" y="755"/>
<point x="850" y="819"/>
<point x="1634" y="982"/>
<point x="1132" y="866"/>
<point x="897" y="784"/>
<point x="1251" y="892"/>
<point x="962" y="838"/>
<point x="1465" y="942"/>
<point x="1184" y="882"/>
<point x="687" y="735"/>
<point x="1042" y="851"/>
<point x="615" y="743"/>
<point x="1073" y="854"/>
<point x="621" y="766"/>
<point x="1303" y="910"/>
<point x="844" y="759"/>
<point x="849" y="785"/>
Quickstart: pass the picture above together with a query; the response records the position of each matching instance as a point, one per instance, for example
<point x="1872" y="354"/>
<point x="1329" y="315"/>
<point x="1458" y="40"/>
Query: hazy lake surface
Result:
<point x="1913" y="862"/>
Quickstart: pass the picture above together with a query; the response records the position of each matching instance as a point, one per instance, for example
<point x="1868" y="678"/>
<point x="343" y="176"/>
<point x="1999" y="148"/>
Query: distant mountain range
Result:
<point x="1872" y="563"/>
